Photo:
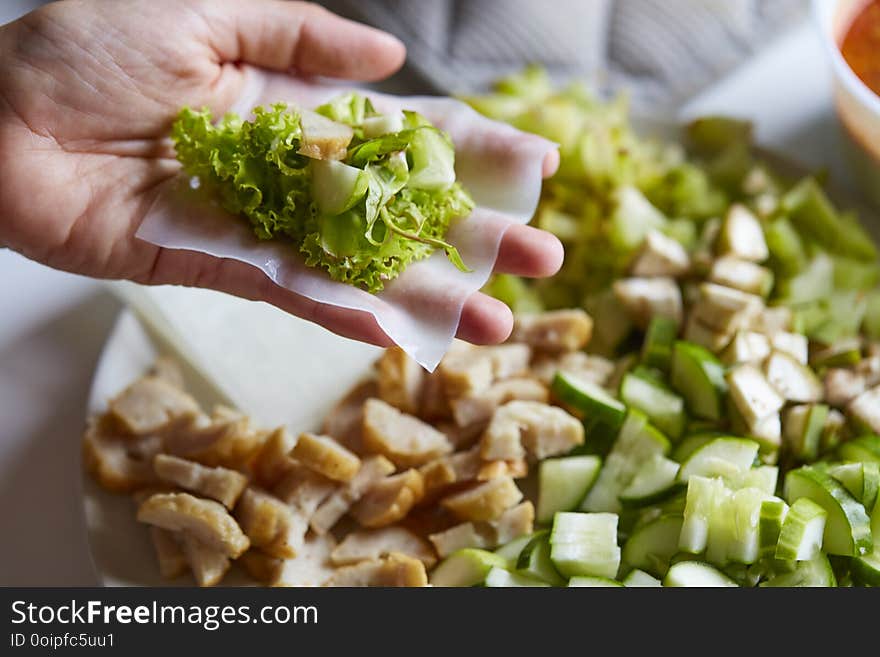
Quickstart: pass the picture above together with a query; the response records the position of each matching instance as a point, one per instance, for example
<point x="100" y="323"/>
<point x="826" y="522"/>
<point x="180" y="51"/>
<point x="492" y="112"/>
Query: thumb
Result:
<point x="300" y="37"/>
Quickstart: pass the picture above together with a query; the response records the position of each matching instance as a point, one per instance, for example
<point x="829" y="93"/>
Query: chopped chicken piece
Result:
<point x="843" y="385"/>
<point x="208" y="564"/>
<point x="400" y="380"/>
<point x="479" y="408"/>
<point x="405" y="440"/>
<point x="218" y="483"/>
<point x="585" y="366"/>
<point x="644" y="298"/>
<point x="312" y="566"/>
<point x="434" y="404"/>
<point x="345" y="422"/>
<point x="304" y="490"/>
<point x="389" y="499"/>
<point x="660" y="256"/>
<point x="169" y="553"/>
<point x="328" y="513"/>
<point x="270" y="524"/>
<point x="273" y="460"/>
<point x="465" y="372"/>
<point x="554" y="331"/>
<point x="206" y="520"/>
<point x="485" y="501"/>
<point x="323" y="138"/>
<point x="491" y="469"/>
<point x="119" y="464"/>
<point x="168" y="369"/>
<point x="460" y="437"/>
<point x="262" y="567"/>
<point x="150" y="405"/>
<point x="226" y="439"/>
<point x="326" y="456"/>
<point x="508" y="360"/>
<point x="521" y="428"/>
<point x="451" y="469"/>
<point x="864" y="410"/>
<point x="752" y="394"/>
<point x="516" y="521"/>
<point x="869" y="367"/>
<point x="393" y="570"/>
<point x="364" y="545"/>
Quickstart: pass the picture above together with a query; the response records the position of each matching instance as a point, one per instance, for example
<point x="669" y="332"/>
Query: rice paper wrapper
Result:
<point x="420" y="309"/>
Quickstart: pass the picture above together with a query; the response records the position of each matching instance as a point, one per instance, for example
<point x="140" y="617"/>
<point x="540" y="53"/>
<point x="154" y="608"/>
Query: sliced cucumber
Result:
<point x="764" y="478"/>
<point x="744" y="546"/>
<point x="752" y="394"/>
<point x="866" y="569"/>
<point x="847" y="529"/>
<point x="498" y="577"/>
<point x="773" y="512"/>
<point x="801" y="535"/>
<point x="510" y="551"/>
<point x="816" y="572"/>
<point x="593" y="582"/>
<point x="655" y="481"/>
<point x="652" y="546"/>
<point x="703" y="495"/>
<point x="866" y="448"/>
<point x="692" y="443"/>
<point x="640" y="579"/>
<point x="696" y="574"/>
<point x="637" y="443"/>
<point x="659" y="340"/>
<point x="699" y="377"/>
<point x="585" y="544"/>
<point x="663" y="407"/>
<point x="803" y="430"/>
<point x="720" y="457"/>
<point x="563" y="483"/>
<point x="534" y="561"/>
<point x="860" y="479"/>
<point x="589" y="398"/>
<point x="337" y="187"/>
<point x="466" y="567"/>
<point x="792" y="379"/>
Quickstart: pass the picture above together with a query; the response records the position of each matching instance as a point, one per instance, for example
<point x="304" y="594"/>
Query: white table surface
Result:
<point x="53" y="324"/>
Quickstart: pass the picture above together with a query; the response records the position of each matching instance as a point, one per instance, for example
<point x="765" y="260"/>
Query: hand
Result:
<point x="88" y="92"/>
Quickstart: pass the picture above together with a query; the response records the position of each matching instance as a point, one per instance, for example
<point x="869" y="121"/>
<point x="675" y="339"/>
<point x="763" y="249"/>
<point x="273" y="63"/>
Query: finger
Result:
<point x="301" y="37"/>
<point x="484" y="320"/>
<point x="550" y="164"/>
<point x="528" y="251"/>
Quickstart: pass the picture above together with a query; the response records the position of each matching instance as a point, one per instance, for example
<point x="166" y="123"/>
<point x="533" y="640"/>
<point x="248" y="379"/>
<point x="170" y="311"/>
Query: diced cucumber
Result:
<point x="866" y="569"/>
<point x="652" y="546"/>
<point x="383" y="124"/>
<point x="663" y="407"/>
<point x="585" y="544"/>
<point x="534" y="561"/>
<point x="337" y="187"/>
<point x="593" y="582"/>
<point x="752" y="394"/>
<point x="842" y="353"/>
<point x="847" y="529"/>
<point x="720" y="457"/>
<point x="793" y="380"/>
<point x="786" y="247"/>
<point x="637" y="443"/>
<point x="696" y="574"/>
<point x="692" y="443"/>
<point x="699" y="377"/>
<point x="817" y="572"/>
<point x="803" y="428"/>
<point x="860" y="479"/>
<point x="633" y="218"/>
<point x="640" y="579"/>
<point x="703" y="495"/>
<point x="590" y="399"/>
<point x="433" y="160"/>
<point x="659" y="341"/>
<point x="773" y="512"/>
<point x="563" y="483"/>
<point x="655" y="481"/>
<point x="498" y="577"/>
<point x="510" y="551"/>
<point x="466" y="567"/>
<point x="801" y="535"/>
<point x="764" y="478"/>
<point x="744" y="547"/>
<point x="865" y="448"/>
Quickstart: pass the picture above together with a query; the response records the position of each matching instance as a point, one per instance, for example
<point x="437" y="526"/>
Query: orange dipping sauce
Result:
<point x="861" y="46"/>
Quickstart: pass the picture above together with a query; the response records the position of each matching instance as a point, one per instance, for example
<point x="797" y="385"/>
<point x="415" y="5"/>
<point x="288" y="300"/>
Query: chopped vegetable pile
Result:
<point x="359" y="193"/>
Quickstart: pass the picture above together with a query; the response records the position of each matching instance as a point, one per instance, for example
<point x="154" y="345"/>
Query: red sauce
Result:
<point x="861" y="46"/>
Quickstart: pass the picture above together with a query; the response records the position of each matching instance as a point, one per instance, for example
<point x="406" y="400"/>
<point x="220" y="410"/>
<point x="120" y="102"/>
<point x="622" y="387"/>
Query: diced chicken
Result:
<point x="465" y="371"/>
<point x="434" y="404"/>
<point x="724" y="309"/>
<point x="119" y="464"/>
<point x="208" y="564"/>
<point x="218" y="483"/>
<point x="660" y="256"/>
<point x="312" y="566"/>
<point x="794" y="381"/>
<point x="586" y="366"/>
<point x="273" y="460"/>
<point x="206" y="520"/>
<point x="754" y="397"/>
<point x="169" y="553"/>
<point x="167" y="369"/>
<point x="491" y="469"/>
<point x="304" y="490"/>
<point x="479" y="408"/>
<point x="373" y="469"/>
<point x="864" y="410"/>
<point x="485" y="501"/>
<point x="508" y="360"/>
<point x="322" y="138"/>
<point x="151" y="405"/>
<point x="264" y="568"/>
<point x="405" y="440"/>
<point x="742" y="235"/>
<point x="400" y="380"/>
<point x="742" y="275"/>
<point x="461" y="437"/>
<point x="843" y="385"/>
<point x="554" y="331"/>
<point x="644" y="298"/>
<point x="455" y="468"/>
<point x="364" y="545"/>
<point x="393" y="570"/>
<point x="226" y="439"/>
<point x="869" y="367"/>
<point x="794" y="344"/>
<point x="326" y="456"/>
<point x="521" y="428"/>
<point x="516" y="521"/>
<point x="270" y="524"/>
<point x="345" y="421"/>
<point x="746" y="347"/>
<point x="389" y="500"/>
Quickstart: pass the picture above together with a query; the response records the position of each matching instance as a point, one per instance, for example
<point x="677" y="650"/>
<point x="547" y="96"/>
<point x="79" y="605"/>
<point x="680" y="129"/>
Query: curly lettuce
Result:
<point x="363" y="219"/>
